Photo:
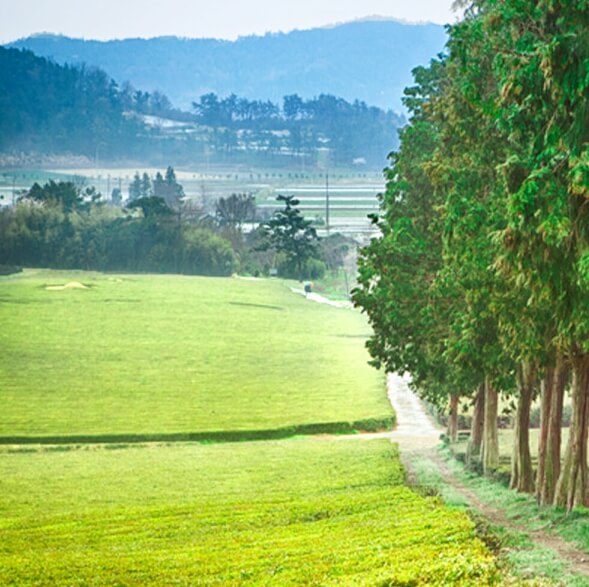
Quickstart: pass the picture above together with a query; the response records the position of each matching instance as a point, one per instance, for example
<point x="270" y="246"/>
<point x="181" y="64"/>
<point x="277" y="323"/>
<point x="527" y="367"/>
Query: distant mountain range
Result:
<point x="368" y="60"/>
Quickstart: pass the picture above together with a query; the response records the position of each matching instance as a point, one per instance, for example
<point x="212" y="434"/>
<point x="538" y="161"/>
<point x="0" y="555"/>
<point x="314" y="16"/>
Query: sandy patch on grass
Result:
<point x="70" y="285"/>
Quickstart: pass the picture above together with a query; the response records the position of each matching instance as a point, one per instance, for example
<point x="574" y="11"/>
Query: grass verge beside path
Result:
<point x="517" y="540"/>
<point x="154" y="355"/>
<point x="295" y="512"/>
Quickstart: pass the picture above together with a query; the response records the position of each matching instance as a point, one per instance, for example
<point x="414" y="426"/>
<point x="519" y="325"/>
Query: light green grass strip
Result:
<point x="157" y="355"/>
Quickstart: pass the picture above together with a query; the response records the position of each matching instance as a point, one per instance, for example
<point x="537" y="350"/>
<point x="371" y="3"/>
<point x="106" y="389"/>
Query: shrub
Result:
<point x="204" y="253"/>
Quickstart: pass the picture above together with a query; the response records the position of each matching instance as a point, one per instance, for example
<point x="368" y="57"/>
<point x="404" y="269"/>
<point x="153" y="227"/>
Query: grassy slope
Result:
<point x="167" y="354"/>
<point x="302" y="511"/>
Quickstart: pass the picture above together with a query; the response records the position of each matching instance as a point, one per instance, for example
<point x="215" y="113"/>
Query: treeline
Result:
<point x="62" y="225"/>
<point x="349" y="131"/>
<point x="479" y="284"/>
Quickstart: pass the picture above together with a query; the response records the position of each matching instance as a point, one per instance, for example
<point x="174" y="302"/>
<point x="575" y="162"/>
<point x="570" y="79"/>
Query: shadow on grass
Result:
<point x="263" y="306"/>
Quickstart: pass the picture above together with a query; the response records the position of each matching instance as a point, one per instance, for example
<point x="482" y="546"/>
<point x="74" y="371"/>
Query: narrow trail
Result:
<point x="418" y="436"/>
<point x="415" y="428"/>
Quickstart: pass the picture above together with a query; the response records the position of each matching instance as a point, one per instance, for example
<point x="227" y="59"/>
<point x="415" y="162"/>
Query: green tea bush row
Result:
<point x="288" y="513"/>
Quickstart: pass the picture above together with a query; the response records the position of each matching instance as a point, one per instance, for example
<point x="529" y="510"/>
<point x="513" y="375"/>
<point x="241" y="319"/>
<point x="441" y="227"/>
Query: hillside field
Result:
<point x="157" y="355"/>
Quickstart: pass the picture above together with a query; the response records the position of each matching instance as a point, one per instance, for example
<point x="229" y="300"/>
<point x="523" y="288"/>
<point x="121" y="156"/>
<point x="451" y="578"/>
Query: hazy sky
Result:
<point x="227" y="19"/>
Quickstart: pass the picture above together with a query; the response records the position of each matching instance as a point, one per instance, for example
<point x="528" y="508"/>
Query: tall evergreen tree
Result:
<point x="289" y="234"/>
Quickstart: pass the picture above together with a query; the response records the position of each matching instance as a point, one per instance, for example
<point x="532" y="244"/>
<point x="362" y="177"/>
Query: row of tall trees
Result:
<point x="479" y="284"/>
<point x="300" y="127"/>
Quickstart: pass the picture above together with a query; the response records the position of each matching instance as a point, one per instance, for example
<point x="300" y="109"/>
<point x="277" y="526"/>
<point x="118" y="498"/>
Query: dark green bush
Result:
<point x="104" y="239"/>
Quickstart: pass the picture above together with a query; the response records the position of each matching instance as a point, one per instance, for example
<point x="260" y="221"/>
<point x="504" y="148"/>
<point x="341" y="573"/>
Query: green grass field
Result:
<point x="147" y="354"/>
<point x="294" y="512"/>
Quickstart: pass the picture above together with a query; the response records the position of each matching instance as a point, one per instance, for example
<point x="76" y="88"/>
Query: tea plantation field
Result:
<point x="103" y="382"/>
<point x="162" y="355"/>
<point x="291" y="512"/>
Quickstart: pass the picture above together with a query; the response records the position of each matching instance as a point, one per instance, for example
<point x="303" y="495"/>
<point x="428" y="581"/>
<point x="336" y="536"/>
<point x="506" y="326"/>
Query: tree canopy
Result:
<point x="479" y="276"/>
<point x="292" y="237"/>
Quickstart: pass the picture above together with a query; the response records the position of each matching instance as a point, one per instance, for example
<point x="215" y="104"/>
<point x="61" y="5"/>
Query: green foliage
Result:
<point x="293" y="237"/>
<point x="398" y="283"/>
<point x="59" y="225"/>
<point x="289" y="513"/>
<point x="151" y="207"/>
<point x="61" y="109"/>
<point x="170" y="354"/>
<point x="543" y="102"/>
<point x="482" y="263"/>
<point x="204" y="253"/>
<point x="482" y="256"/>
<point x="312" y="269"/>
<point x="65" y="195"/>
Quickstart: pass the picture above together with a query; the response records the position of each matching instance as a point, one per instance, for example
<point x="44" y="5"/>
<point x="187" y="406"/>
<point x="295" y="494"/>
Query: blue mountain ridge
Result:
<point x="367" y="60"/>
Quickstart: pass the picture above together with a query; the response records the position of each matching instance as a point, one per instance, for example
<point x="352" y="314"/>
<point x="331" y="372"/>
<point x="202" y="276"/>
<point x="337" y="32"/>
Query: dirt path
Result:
<point x="577" y="560"/>
<point x="418" y="436"/>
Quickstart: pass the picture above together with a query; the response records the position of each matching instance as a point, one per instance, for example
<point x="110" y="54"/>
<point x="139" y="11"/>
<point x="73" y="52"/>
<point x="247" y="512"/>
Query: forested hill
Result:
<point x="369" y="61"/>
<point x="49" y="108"/>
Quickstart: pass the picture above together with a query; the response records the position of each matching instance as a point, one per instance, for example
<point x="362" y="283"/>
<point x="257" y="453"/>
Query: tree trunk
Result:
<point x="453" y="418"/>
<point x="571" y="489"/>
<point x="545" y="410"/>
<point x="549" y="472"/>
<point x="490" y="436"/>
<point x="522" y="474"/>
<point x="475" y="442"/>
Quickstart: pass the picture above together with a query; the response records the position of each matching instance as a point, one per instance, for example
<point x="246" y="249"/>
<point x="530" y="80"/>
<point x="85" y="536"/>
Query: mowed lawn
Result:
<point x="160" y="354"/>
<point x="304" y="511"/>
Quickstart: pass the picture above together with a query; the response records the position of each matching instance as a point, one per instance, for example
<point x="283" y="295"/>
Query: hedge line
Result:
<point x="367" y="425"/>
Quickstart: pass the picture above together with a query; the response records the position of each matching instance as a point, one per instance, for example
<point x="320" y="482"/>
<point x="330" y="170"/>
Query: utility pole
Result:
<point x="327" y="200"/>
